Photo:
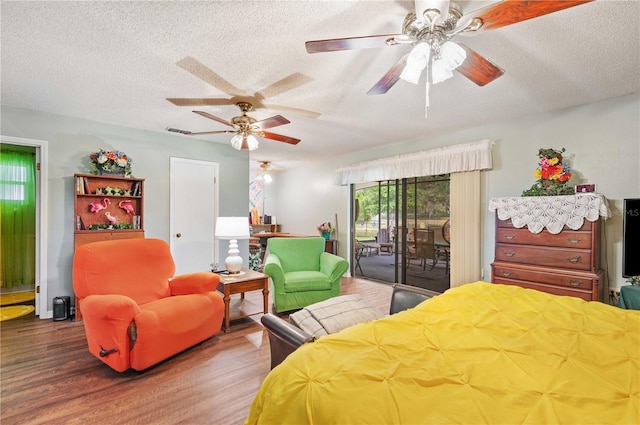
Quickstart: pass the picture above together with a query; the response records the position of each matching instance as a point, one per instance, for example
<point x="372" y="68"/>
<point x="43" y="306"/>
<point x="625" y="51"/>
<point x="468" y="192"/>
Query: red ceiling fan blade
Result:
<point x="279" y="138"/>
<point x="334" y="44"/>
<point x="510" y="12"/>
<point x="390" y="78"/>
<point x="274" y="121"/>
<point x="477" y="68"/>
<point x="213" y="117"/>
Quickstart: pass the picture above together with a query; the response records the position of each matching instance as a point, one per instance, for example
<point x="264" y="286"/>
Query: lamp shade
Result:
<point x="232" y="228"/>
<point x="452" y="57"/>
<point x="240" y="142"/>
<point x="416" y="62"/>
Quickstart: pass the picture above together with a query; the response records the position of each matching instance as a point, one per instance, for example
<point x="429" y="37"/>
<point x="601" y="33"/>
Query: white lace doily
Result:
<point x="550" y="212"/>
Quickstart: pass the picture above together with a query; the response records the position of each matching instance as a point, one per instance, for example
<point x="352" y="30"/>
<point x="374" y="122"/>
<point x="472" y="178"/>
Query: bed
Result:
<point x="481" y="353"/>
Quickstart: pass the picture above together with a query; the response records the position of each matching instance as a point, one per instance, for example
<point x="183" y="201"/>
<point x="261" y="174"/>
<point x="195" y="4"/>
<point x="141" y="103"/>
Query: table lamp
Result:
<point x="232" y="229"/>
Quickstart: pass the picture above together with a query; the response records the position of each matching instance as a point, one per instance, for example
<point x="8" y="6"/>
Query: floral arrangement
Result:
<point x="553" y="175"/>
<point x="326" y="227"/>
<point x="111" y="162"/>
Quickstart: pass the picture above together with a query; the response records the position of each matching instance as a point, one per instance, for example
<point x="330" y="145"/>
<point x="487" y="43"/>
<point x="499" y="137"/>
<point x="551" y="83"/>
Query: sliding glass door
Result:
<point x="401" y="232"/>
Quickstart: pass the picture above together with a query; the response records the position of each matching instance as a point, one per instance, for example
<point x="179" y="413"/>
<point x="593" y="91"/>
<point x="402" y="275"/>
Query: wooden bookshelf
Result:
<point x="124" y="201"/>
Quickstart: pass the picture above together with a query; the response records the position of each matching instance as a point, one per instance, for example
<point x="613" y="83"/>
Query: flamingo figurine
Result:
<point x="113" y="220"/>
<point x="96" y="207"/>
<point x="127" y="206"/>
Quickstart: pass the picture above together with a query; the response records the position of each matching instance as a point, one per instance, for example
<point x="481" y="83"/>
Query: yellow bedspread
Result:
<point x="478" y="354"/>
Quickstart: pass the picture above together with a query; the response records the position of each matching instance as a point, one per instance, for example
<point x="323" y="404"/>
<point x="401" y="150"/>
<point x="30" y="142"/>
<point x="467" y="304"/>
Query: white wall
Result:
<point x="603" y="146"/>
<point x="70" y="142"/>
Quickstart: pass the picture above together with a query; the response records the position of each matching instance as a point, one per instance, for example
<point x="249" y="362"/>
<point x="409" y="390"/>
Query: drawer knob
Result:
<point x="510" y="254"/>
<point x="506" y="273"/>
<point x="575" y="283"/>
<point x="574" y="260"/>
<point x="509" y="237"/>
<point x="573" y="240"/>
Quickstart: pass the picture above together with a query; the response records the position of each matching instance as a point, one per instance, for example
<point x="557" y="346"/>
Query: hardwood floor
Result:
<point x="48" y="376"/>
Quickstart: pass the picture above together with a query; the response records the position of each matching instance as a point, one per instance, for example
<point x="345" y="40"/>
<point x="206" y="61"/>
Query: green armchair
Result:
<point x="301" y="272"/>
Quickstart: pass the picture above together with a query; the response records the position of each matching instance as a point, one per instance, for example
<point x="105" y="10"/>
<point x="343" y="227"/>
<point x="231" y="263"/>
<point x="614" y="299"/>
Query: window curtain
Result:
<point x="466" y="226"/>
<point x="464" y="163"/>
<point x="18" y="218"/>
<point x="450" y="159"/>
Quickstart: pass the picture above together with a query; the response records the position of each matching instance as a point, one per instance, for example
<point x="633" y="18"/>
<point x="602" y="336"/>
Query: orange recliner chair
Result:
<point x="135" y="312"/>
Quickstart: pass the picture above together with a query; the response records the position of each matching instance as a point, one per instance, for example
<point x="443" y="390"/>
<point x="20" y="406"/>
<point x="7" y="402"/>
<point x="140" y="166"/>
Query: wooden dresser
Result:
<point x="567" y="263"/>
<point x="550" y="243"/>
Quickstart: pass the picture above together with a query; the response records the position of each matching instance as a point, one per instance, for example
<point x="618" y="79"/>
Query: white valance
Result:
<point x="450" y="159"/>
<point x="552" y="212"/>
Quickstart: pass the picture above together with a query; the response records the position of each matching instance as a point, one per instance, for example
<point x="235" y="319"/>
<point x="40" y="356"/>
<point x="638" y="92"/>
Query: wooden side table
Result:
<point x="249" y="280"/>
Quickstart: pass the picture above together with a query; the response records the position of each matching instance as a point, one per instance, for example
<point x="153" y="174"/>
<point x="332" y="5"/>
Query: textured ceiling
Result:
<point x="115" y="62"/>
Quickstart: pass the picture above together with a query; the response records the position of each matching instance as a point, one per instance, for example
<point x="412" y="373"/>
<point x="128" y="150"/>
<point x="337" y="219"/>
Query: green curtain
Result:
<point x="18" y="217"/>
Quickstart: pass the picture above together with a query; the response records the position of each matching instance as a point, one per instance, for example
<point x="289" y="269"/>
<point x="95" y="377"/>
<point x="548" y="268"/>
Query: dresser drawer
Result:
<point x="550" y="277"/>
<point x="565" y="258"/>
<point x="567" y="239"/>
<point x="549" y="289"/>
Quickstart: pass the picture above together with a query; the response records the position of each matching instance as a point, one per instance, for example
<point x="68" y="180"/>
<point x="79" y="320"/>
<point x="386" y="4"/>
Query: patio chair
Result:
<point x="383" y="241"/>
<point x="426" y="249"/>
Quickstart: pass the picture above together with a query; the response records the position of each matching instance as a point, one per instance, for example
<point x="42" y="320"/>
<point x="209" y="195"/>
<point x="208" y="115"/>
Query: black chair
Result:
<point x="285" y="338"/>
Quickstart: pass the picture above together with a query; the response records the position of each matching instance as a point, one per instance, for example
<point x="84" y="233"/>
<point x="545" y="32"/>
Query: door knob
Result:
<point x="178" y="235"/>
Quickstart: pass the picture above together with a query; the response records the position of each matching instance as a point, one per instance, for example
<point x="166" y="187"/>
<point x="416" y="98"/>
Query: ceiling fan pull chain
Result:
<point x="426" y="103"/>
<point x="426" y="91"/>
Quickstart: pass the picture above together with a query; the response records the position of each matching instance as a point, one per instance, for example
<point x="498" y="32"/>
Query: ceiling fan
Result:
<point x="265" y="172"/>
<point x="245" y="128"/>
<point x="237" y="95"/>
<point x="429" y="30"/>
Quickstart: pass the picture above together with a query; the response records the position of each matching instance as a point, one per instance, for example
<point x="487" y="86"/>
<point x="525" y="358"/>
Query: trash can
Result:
<point x="61" y="308"/>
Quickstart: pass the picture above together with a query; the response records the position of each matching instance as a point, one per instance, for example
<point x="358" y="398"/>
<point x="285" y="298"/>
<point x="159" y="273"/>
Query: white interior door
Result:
<point x="194" y="208"/>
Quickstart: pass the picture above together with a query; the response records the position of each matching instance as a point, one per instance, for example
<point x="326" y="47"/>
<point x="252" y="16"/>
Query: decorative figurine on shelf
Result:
<point x="553" y="175"/>
<point x="114" y="163"/>
<point x="112" y="219"/>
<point x="127" y="206"/>
<point x="96" y="207"/>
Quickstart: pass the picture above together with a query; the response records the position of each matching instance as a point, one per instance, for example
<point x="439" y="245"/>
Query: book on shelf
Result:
<point x="80" y="223"/>
<point x="136" y="189"/>
<point x="86" y="186"/>
<point x="79" y="186"/>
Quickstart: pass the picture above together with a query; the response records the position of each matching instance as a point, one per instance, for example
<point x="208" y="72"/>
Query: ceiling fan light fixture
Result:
<point x="416" y="62"/>
<point x="252" y="143"/>
<point x="451" y="57"/>
<point x="239" y="141"/>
